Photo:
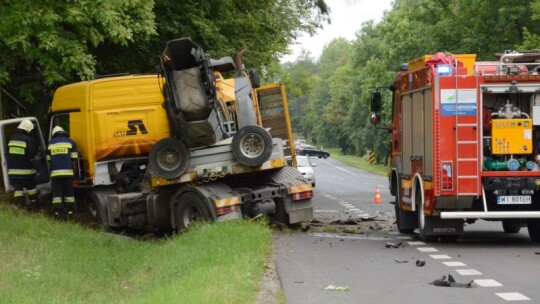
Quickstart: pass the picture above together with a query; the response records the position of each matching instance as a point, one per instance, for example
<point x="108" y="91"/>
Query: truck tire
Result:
<point x="96" y="201"/>
<point x="511" y="226"/>
<point x="190" y="208"/>
<point x="402" y="216"/>
<point x="533" y="225"/>
<point x="422" y="218"/>
<point x="252" y="146"/>
<point x="169" y="158"/>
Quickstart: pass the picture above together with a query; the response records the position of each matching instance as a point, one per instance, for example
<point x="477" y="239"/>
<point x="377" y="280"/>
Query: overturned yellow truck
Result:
<point x="163" y="151"/>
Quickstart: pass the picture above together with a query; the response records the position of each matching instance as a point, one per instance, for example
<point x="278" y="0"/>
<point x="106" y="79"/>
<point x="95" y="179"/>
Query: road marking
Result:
<point x="326" y="211"/>
<point x="405" y="238"/>
<point x="487" y="283"/>
<point x="427" y="249"/>
<point x="355" y="209"/>
<point x="468" y="272"/>
<point x="513" y="296"/>
<point x="454" y="264"/>
<point x="351" y="237"/>
<point x="440" y="256"/>
<point x="416" y="243"/>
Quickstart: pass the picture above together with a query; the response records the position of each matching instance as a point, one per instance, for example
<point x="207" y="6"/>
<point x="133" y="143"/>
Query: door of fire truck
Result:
<point x="7" y="128"/>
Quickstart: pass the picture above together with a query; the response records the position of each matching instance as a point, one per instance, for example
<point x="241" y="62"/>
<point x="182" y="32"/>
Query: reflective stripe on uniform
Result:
<point x="74" y="155"/>
<point x="21" y="172"/>
<point x="17" y="143"/>
<point x="18" y="193"/>
<point x="32" y="191"/>
<point x="61" y="172"/>
<point x="57" y="200"/>
<point x="69" y="199"/>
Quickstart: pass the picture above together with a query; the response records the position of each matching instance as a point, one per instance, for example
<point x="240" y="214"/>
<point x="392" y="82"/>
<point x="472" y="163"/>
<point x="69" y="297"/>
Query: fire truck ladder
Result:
<point x="466" y="151"/>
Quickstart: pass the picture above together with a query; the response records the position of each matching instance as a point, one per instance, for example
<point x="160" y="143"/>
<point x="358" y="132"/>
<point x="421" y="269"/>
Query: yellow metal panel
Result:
<point x="511" y="136"/>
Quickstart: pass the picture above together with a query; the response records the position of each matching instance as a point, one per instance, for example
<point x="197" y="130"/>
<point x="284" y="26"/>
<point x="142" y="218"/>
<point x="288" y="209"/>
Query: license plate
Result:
<point x="513" y="199"/>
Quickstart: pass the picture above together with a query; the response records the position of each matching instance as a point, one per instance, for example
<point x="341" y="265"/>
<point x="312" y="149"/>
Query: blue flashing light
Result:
<point x="444" y="70"/>
<point x="513" y="164"/>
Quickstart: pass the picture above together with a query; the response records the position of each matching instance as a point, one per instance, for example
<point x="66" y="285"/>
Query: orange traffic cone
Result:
<point x="377" y="198"/>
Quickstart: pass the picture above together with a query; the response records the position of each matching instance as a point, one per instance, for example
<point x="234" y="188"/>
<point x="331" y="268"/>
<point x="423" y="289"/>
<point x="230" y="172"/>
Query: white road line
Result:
<point x="513" y="296"/>
<point x="427" y="249"/>
<point x="326" y="211"/>
<point x="440" y="256"/>
<point x="468" y="272"/>
<point x="487" y="283"/>
<point x="354" y="209"/>
<point x="454" y="264"/>
<point x="404" y="238"/>
<point x="416" y="243"/>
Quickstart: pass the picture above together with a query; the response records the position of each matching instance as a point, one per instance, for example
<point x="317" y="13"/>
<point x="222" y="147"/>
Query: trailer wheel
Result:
<point x="533" y="225"/>
<point x="190" y="208"/>
<point x="252" y="146"/>
<point x="169" y="158"/>
<point x="280" y="215"/>
<point x="511" y="226"/>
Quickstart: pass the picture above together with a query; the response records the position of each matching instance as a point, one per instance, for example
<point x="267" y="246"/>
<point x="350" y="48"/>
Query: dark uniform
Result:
<point x="21" y="170"/>
<point x="60" y="152"/>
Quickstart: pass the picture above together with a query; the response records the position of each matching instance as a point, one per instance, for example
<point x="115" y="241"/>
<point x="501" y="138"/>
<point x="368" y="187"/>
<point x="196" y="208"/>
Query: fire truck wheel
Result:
<point x="190" y="208"/>
<point x="252" y="146"/>
<point x="511" y="226"/>
<point x="399" y="219"/>
<point x="96" y="201"/>
<point x="422" y="219"/>
<point x="169" y="158"/>
<point x="533" y="225"/>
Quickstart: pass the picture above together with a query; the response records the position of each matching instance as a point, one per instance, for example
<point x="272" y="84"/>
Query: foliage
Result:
<point x="49" y="43"/>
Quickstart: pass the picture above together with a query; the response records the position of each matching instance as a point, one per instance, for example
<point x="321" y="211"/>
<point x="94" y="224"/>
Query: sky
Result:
<point x="347" y="17"/>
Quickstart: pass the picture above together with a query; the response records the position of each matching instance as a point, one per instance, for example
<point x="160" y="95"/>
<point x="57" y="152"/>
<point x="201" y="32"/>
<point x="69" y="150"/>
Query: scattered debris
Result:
<point x="537" y="252"/>
<point x="346" y="222"/>
<point x="401" y="261"/>
<point x="316" y="223"/>
<point x="337" y="288"/>
<point x="420" y="263"/>
<point x="392" y="245"/>
<point x="375" y="227"/>
<point x="450" y="282"/>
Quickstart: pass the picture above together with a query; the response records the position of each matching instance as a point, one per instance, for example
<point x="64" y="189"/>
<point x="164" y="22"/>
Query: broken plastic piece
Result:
<point x="450" y="282"/>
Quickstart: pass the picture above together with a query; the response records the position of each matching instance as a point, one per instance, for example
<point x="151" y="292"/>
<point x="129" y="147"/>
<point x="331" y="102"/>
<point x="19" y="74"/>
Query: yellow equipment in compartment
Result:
<point x="511" y="136"/>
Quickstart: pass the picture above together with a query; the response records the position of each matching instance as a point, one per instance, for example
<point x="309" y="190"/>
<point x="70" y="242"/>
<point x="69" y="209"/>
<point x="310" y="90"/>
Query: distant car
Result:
<point x="311" y="151"/>
<point x="306" y="168"/>
<point x="299" y="142"/>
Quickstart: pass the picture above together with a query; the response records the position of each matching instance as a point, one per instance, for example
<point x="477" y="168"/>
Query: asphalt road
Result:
<point x="503" y="267"/>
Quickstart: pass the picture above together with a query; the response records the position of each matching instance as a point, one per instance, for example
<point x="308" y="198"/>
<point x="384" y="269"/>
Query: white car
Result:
<point x="306" y="168"/>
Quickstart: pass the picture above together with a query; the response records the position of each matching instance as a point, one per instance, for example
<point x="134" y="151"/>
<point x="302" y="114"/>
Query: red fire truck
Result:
<point x="465" y="143"/>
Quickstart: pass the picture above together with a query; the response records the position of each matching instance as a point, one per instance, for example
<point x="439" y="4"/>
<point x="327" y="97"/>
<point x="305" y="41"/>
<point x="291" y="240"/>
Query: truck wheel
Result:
<point x="169" y="158"/>
<point x="97" y="204"/>
<point x="533" y="225"/>
<point x="511" y="226"/>
<point x="422" y="218"/>
<point x="252" y="146"/>
<point x="280" y="216"/>
<point x="190" y="208"/>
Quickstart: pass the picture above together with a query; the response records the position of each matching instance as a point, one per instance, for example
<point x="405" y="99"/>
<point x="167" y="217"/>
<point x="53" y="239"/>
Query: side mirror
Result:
<point x="375" y="107"/>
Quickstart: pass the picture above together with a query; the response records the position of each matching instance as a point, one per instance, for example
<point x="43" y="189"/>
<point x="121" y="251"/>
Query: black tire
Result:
<point x="252" y="146"/>
<point x="511" y="226"/>
<point x="190" y="208"/>
<point x="169" y="158"/>
<point x="399" y="223"/>
<point x="533" y="225"/>
<point x="326" y="156"/>
<point x="320" y="156"/>
<point x="422" y="218"/>
<point x="280" y="215"/>
<point x="96" y="201"/>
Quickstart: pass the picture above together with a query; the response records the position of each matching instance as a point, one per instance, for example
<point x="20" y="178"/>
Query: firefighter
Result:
<point x="61" y="152"/>
<point x="20" y="161"/>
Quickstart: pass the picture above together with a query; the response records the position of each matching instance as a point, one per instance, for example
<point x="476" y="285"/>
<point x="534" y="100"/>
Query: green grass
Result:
<point x="358" y="162"/>
<point x="44" y="261"/>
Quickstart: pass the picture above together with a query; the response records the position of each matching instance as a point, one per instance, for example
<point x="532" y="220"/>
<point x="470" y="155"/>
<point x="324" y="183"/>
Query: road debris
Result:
<point x="450" y="282"/>
<point x="337" y="288"/>
<point x="401" y="261"/>
<point x="375" y="227"/>
<point x="420" y="263"/>
<point x="392" y="245"/>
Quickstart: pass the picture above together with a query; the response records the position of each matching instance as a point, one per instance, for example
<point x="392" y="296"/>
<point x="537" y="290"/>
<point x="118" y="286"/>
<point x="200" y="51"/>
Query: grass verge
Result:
<point x="44" y="261"/>
<point x="358" y="162"/>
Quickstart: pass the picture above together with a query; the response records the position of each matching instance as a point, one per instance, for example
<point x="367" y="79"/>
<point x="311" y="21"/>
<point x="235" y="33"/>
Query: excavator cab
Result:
<point x="199" y="117"/>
